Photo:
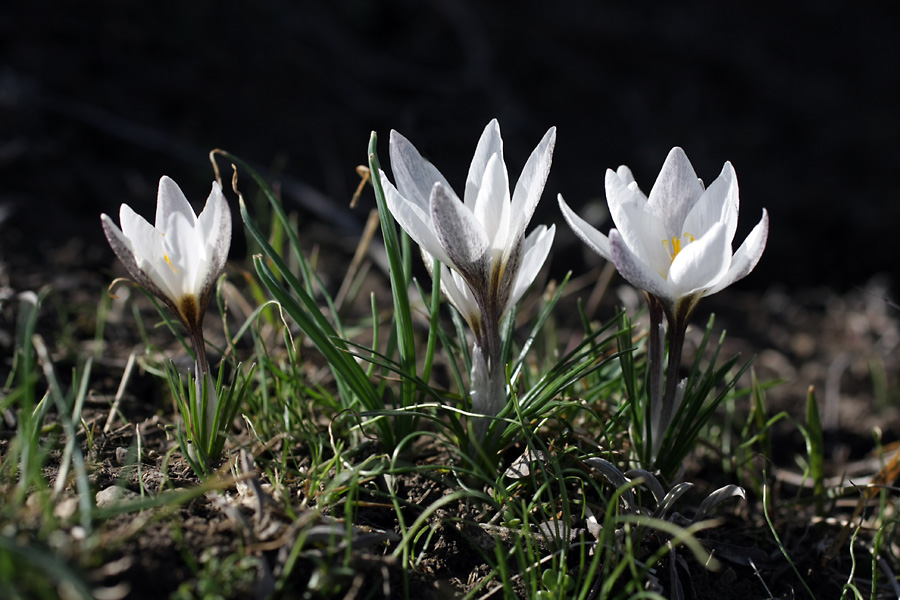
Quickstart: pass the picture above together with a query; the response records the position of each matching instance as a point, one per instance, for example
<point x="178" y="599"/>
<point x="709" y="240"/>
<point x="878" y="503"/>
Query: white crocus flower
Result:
<point x="481" y="239"/>
<point x="487" y="262"/>
<point x="675" y="244"/>
<point x="180" y="258"/>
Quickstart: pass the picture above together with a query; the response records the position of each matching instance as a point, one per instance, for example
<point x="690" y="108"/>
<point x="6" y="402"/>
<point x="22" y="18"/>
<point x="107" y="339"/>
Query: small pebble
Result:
<point x="114" y="495"/>
<point x="122" y="455"/>
<point x="65" y="508"/>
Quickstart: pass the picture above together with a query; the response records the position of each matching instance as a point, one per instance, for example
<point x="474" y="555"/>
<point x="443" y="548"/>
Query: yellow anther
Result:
<point x="166" y="256"/>
<point x="676" y="245"/>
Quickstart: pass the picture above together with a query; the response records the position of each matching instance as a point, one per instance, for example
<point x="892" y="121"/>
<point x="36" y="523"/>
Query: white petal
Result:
<point x="414" y="175"/>
<point x="147" y="243"/>
<point x="747" y="256"/>
<point x="675" y="192"/>
<point x="214" y="228"/>
<point x="637" y="223"/>
<point x="701" y="263"/>
<point x="143" y="236"/>
<point x="719" y="203"/>
<point x="415" y="219"/>
<point x="531" y="182"/>
<point x="536" y="248"/>
<point x="460" y="234"/>
<point x="595" y="240"/>
<point x="457" y="291"/>
<point x="124" y="249"/>
<point x="489" y="144"/>
<point x="627" y="176"/>
<point x="185" y="254"/>
<point x="636" y="272"/>
<point x="491" y="207"/>
<point x="170" y="199"/>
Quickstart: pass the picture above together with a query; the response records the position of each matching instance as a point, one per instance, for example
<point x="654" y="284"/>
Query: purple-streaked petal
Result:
<point x="637" y="272"/>
<point x="747" y="256"/>
<point x="124" y="249"/>
<point x="504" y="272"/>
<point x="595" y="240"/>
<point x="120" y="244"/>
<point x="637" y="223"/>
<point x="461" y="235"/>
<point x="414" y="219"/>
<point x="675" y="192"/>
<point x="414" y="175"/>
<point x="148" y="247"/>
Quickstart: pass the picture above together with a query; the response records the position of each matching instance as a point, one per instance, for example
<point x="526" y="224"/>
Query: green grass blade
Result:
<point x="815" y="449"/>
<point x="400" y="279"/>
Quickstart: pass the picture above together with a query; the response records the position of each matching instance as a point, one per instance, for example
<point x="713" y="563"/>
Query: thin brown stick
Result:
<point x="358" y="257"/>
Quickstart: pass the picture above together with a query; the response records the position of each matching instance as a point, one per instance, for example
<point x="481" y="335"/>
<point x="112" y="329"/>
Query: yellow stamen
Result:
<point x="676" y="245"/>
<point x="166" y="256"/>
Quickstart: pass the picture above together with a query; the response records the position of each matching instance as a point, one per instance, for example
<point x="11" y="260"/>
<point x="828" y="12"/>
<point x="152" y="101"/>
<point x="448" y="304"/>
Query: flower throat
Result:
<point x="676" y="245"/>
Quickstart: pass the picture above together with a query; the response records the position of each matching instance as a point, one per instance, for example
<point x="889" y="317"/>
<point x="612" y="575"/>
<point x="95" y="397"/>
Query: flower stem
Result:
<point x="493" y="403"/>
<point x="489" y="389"/>
<point x="202" y="376"/>
<point x="676" y="345"/>
<point x="652" y="417"/>
<point x="492" y="335"/>
<point x="677" y="320"/>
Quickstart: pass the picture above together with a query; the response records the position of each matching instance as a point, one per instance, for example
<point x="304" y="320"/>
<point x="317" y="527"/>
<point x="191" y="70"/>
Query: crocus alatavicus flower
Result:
<point x="482" y="237"/>
<point x="676" y="243"/>
<point x="487" y="262"/>
<point x="178" y="260"/>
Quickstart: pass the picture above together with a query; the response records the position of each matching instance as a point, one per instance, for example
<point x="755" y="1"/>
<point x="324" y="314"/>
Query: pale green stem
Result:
<point x="202" y="374"/>
<point x="655" y="399"/>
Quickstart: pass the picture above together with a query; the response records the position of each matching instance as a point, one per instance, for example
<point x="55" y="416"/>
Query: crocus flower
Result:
<point x="675" y="244"/>
<point x="180" y="258"/>
<point x="480" y="239"/>
<point x="487" y="262"/>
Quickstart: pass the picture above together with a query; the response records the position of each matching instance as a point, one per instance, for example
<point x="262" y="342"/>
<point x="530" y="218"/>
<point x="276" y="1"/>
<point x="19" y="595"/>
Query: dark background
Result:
<point x="98" y="99"/>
